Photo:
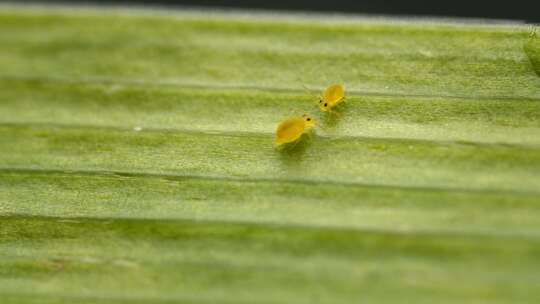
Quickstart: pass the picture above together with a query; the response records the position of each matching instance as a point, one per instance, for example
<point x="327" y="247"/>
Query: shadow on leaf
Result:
<point x="332" y="119"/>
<point x="292" y="154"/>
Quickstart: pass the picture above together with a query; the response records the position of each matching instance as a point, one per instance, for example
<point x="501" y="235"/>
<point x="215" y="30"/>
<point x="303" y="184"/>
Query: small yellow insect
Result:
<point x="292" y="129"/>
<point x="332" y="96"/>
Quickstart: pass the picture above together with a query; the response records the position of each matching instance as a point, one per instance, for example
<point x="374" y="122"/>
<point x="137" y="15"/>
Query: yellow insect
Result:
<point x="332" y="96"/>
<point x="292" y="129"/>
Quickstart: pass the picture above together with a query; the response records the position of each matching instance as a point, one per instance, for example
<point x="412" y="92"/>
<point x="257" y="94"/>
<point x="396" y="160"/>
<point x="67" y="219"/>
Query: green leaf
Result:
<point x="137" y="159"/>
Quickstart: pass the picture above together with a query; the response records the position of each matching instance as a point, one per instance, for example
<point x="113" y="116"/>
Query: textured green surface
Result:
<point x="137" y="160"/>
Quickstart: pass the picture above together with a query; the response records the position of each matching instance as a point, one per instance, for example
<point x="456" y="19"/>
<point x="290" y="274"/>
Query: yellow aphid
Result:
<point x="332" y="96"/>
<point x="292" y="129"/>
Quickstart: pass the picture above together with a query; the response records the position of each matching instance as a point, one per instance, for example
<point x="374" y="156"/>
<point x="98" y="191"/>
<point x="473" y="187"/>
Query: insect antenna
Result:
<point x="317" y="98"/>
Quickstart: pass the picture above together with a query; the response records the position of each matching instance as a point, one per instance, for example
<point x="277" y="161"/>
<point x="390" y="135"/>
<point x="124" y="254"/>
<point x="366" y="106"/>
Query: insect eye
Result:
<point x="326" y="105"/>
<point x="308" y="119"/>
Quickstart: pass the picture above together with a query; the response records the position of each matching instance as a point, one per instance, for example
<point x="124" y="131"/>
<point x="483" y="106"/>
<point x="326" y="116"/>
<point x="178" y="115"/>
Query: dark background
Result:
<point x="515" y="10"/>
